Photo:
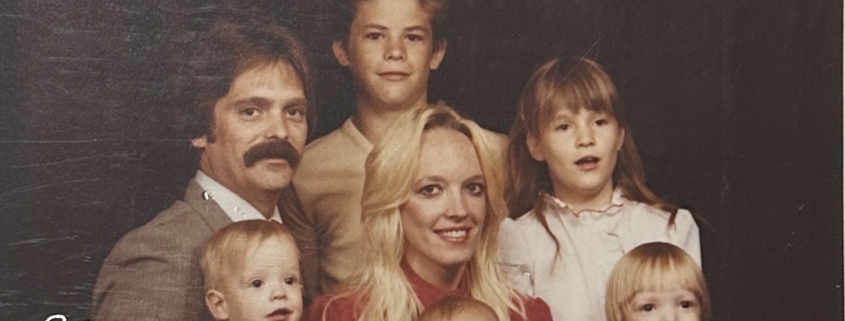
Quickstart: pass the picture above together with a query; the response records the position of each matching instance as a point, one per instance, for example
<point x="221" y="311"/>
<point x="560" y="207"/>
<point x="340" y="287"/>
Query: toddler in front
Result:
<point x="458" y="308"/>
<point x="251" y="273"/>
<point x="657" y="281"/>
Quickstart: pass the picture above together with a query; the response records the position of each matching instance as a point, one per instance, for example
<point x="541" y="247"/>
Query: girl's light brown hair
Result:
<point x="653" y="267"/>
<point x="576" y="83"/>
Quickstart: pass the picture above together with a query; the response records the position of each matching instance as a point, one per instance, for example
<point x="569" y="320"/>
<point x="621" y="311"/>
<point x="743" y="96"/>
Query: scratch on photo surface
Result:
<point x="123" y="155"/>
<point x="38" y="187"/>
<point x="88" y="141"/>
<point x="42" y="240"/>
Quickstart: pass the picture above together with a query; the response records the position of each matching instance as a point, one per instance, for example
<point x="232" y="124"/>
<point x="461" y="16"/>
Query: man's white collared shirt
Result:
<point x="233" y="205"/>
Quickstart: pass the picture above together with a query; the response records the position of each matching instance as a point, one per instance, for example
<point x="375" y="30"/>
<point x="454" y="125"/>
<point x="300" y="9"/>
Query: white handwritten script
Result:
<point x="56" y="317"/>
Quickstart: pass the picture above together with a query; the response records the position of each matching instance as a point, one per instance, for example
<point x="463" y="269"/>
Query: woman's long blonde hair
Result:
<point x="382" y="290"/>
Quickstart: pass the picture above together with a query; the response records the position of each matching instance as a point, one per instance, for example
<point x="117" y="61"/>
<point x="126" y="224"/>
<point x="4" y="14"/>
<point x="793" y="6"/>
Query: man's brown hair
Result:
<point x="229" y="48"/>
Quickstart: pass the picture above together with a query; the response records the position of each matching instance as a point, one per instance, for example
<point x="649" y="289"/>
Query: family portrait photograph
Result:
<point x="393" y="160"/>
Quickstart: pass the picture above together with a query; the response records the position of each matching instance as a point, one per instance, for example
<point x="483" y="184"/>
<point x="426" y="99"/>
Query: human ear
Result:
<point x="216" y="303"/>
<point x="534" y="148"/>
<point x="339" y="51"/>
<point x="437" y="55"/>
<point x="200" y="142"/>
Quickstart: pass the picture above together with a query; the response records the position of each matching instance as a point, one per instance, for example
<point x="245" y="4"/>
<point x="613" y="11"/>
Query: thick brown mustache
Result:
<point x="273" y="149"/>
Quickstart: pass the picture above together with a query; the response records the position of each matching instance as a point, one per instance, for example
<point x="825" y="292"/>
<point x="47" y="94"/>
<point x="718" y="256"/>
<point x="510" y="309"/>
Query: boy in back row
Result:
<point x="390" y="47"/>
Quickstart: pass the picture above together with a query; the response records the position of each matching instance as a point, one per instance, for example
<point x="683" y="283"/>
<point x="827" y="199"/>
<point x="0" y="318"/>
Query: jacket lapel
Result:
<point x="208" y="209"/>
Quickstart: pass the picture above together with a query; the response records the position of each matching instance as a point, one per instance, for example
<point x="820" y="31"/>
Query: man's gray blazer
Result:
<point x="153" y="272"/>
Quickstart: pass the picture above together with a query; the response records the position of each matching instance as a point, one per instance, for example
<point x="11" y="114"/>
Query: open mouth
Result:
<point x="589" y="160"/>
<point x="280" y="314"/>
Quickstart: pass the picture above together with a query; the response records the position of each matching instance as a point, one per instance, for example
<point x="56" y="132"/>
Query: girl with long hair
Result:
<point x="576" y="191"/>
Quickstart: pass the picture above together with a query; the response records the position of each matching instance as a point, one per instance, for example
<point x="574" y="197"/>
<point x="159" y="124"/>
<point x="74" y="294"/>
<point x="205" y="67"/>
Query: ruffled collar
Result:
<point x="616" y="203"/>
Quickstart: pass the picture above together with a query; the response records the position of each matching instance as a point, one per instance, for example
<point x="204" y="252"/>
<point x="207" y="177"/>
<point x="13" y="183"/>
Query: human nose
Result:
<point x="278" y="293"/>
<point x="395" y="49"/>
<point x="277" y="127"/>
<point x="456" y="208"/>
<point x="669" y="314"/>
<point x="585" y="136"/>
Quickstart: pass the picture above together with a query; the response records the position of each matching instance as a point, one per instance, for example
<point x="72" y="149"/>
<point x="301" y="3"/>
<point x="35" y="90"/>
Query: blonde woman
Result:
<point x="431" y="208"/>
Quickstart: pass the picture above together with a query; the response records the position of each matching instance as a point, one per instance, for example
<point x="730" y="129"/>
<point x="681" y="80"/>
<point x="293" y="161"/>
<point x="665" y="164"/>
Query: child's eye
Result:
<point x="256" y="283"/>
<point x="373" y="35"/>
<point x="602" y="122"/>
<point x="687" y="304"/>
<point x="648" y="307"/>
<point x="562" y="127"/>
<point x="290" y="280"/>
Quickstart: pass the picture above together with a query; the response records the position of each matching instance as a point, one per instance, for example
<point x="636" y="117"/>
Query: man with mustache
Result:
<point x="246" y="88"/>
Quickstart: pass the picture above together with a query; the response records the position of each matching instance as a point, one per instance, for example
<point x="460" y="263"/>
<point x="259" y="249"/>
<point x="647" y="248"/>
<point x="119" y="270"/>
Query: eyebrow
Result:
<point x="562" y="115"/>
<point x="417" y="28"/>
<point x="252" y="101"/>
<point x="568" y="114"/>
<point x="476" y="177"/>
<point x="439" y="178"/>
<point x="374" y="26"/>
<point x="296" y="102"/>
<point x="407" y="29"/>
<point x="261" y="101"/>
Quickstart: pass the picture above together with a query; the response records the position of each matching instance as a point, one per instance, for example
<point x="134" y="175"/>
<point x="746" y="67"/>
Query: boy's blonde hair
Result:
<point x="449" y="306"/>
<point x="228" y="248"/>
<point x="653" y="267"/>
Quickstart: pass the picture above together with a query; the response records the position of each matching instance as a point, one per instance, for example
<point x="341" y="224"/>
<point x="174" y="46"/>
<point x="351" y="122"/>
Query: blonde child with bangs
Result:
<point x="576" y="191"/>
<point x="251" y="272"/>
<point x="458" y="308"/>
<point x="657" y="281"/>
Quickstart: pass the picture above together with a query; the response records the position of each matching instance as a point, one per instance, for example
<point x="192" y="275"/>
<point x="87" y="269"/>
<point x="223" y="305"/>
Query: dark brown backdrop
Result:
<point x="736" y="106"/>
